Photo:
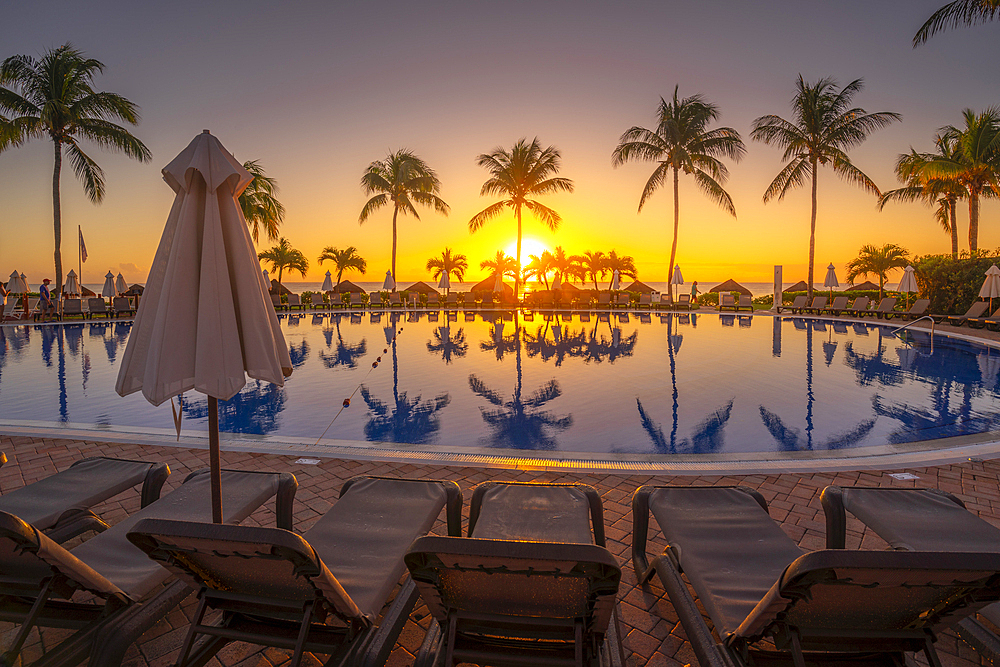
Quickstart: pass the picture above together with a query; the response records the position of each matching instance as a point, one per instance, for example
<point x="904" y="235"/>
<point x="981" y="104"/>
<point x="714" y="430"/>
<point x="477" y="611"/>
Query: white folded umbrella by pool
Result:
<point x="445" y="282"/>
<point x="908" y="285"/>
<point x="18" y="285"/>
<point x="677" y="278"/>
<point x="120" y="284"/>
<point x="389" y="283"/>
<point x="205" y="321"/>
<point x="831" y="279"/>
<point x="991" y="286"/>
<point x="72" y="286"/>
<point x="109" y="290"/>
<point x="557" y="282"/>
<point x="615" y="280"/>
<point x="327" y="283"/>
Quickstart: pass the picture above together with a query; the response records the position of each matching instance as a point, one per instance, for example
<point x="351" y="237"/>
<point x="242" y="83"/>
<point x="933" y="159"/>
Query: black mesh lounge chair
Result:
<point x="838" y="306"/>
<point x="918" y="309"/>
<point x="129" y="596"/>
<point x="59" y="505"/>
<point x="859" y="307"/>
<point x="530" y="585"/>
<point x="832" y="606"/>
<point x="97" y="306"/>
<point x="727" y="301"/>
<point x="920" y="520"/>
<point x="817" y="305"/>
<point x="975" y="310"/>
<point x="121" y="305"/>
<point x="798" y="303"/>
<point x="979" y="322"/>
<point x="321" y="591"/>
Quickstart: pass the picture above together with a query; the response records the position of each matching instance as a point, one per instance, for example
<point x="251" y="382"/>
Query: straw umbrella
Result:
<point x="676" y="279"/>
<point x="991" y="286"/>
<point x="204" y="322"/>
<point x="831" y="279"/>
<point x="908" y="285"/>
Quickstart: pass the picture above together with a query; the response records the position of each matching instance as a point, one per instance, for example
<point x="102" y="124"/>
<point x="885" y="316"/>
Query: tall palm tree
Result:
<point x="911" y="169"/>
<point x="345" y="260"/>
<point x="683" y="142"/>
<point x="260" y="204"/>
<point x="502" y="264"/>
<point x="975" y="163"/>
<point x="539" y="266"/>
<point x="625" y="265"/>
<point x="54" y="98"/>
<point x="452" y="265"/>
<point x="825" y="126"/>
<point x="403" y="180"/>
<point x="877" y="262"/>
<point x="565" y="266"/>
<point x="526" y="170"/>
<point x="284" y="256"/>
<point x="955" y="14"/>
<point x="593" y="265"/>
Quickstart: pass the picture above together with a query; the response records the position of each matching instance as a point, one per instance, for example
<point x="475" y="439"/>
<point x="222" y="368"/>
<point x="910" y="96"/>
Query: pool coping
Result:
<point x="980" y="446"/>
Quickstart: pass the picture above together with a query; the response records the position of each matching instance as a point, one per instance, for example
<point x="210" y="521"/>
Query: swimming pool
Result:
<point x="596" y="384"/>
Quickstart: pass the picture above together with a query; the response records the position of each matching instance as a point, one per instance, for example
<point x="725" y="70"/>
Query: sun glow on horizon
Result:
<point x="529" y="246"/>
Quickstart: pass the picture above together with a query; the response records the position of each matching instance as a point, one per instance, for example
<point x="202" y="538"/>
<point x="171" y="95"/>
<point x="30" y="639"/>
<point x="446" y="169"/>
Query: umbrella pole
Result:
<point x="213" y="455"/>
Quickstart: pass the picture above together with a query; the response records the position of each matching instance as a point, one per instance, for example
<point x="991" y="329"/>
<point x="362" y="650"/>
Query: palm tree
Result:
<point x="957" y="13"/>
<point x="683" y="142"/>
<point x="501" y="264"/>
<point x="877" y="262"/>
<point x="911" y="168"/>
<point x="526" y="170"/>
<point x="565" y="266"/>
<point x="403" y="180"/>
<point x="449" y="264"/>
<point x="260" y="204"/>
<point x="284" y="256"/>
<point x="825" y="127"/>
<point x="448" y="346"/>
<point x="625" y="265"/>
<point x="345" y="259"/>
<point x="975" y="163"/>
<point x="593" y="265"/>
<point x="54" y="98"/>
<point x="539" y="267"/>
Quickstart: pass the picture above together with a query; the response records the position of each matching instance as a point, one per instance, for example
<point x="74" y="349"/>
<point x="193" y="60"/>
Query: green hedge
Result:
<point x="952" y="284"/>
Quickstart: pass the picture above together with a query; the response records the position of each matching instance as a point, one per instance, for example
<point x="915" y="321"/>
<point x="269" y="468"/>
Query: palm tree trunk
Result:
<point x="952" y="205"/>
<point x="57" y="215"/>
<point x="812" y="234"/>
<point x="677" y="219"/>
<point x="973" y="222"/>
<point x="517" y="278"/>
<point x="395" y="212"/>
<point x="281" y="267"/>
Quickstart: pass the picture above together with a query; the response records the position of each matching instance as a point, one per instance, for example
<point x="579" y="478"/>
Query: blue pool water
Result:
<point x="637" y="384"/>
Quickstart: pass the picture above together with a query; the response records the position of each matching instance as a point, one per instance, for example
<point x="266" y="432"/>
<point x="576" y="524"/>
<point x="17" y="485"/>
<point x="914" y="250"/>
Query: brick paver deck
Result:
<point x="652" y="634"/>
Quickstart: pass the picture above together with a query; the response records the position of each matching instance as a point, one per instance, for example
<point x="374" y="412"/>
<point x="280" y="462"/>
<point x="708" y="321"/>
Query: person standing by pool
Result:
<point x="46" y="304"/>
<point x="694" y="292"/>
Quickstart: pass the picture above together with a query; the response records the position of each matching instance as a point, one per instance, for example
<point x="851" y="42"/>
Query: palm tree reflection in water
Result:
<point x="344" y="354"/>
<point x="407" y="419"/>
<point x="446" y="345"/>
<point x="518" y="423"/>
<point x="254" y="409"/>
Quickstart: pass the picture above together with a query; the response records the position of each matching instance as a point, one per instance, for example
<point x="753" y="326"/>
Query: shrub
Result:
<point x="952" y="284"/>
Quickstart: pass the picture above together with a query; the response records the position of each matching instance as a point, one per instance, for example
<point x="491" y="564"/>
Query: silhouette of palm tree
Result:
<point x="254" y="409"/>
<point x="499" y="344"/>
<point x="519" y="423"/>
<point x="344" y="354"/>
<point x="568" y="344"/>
<point x="408" y="420"/>
<point x="447" y="346"/>
<point x="602" y="349"/>
<point x="298" y="353"/>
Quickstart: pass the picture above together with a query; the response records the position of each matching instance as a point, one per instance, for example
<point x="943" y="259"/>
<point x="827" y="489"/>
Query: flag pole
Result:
<point x="79" y="254"/>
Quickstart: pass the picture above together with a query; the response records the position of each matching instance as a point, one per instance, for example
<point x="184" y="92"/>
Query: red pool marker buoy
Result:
<point x="347" y="402"/>
<point x="374" y="364"/>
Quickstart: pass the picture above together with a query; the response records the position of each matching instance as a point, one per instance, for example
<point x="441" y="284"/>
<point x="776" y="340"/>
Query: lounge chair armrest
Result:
<point x="832" y="499"/>
<point x="153" y="484"/>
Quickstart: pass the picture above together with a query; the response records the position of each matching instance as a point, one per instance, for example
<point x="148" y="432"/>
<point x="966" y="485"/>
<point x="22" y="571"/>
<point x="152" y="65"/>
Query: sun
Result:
<point x="529" y="246"/>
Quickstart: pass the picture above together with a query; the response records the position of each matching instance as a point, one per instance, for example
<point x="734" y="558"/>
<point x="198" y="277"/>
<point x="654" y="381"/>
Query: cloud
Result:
<point x="131" y="271"/>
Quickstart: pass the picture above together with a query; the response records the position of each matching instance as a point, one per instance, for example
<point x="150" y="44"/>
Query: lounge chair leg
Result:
<point x="930" y="652"/>
<point x="300" y="642"/>
<point x="578" y="642"/>
<point x="199" y="614"/>
<point x="449" y="655"/>
<point x="10" y="655"/>
<point x="430" y="654"/>
<point x="797" y="658"/>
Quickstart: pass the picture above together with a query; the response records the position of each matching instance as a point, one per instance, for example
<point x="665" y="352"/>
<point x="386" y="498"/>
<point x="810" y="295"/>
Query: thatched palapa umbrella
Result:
<point x="800" y="286"/>
<point x="205" y="321"/>
<point x="731" y="286"/>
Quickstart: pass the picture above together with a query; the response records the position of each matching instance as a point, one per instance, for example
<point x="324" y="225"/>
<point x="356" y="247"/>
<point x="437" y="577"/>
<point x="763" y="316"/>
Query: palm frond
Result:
<point x="487" y="214"/>
<point x="372" y="205"/>
<point x="955" y="14"/>
<point x="87" y="171"/>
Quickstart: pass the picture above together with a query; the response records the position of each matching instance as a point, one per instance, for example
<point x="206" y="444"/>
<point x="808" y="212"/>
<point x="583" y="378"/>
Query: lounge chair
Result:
<point x="817" y="305"/>
<point x="413" y="300"/>
<point x="745" y="303"/>
<point x="321" y="591"/>
<point x="623" y="300"/>
<point x="59" y="505"/>
<point x="127" y="587"/>
<point x="859" y="307"/>
<point x="683" y="302"/>
<point x="975" y="310"/>
<point x="645" y="301"/>
<point x="665" y="302"/>
<point x="980" y="322"/>
<point x="73" y="308"/>
<point x="838" y="306"/>
<point x="830" y="606"/>
<point x="604" y="300"/>
<point x="451" y="301"/>
<point x="798" y="303"/>
<point x="885" y="308"/>
<point x="97" y="306"/>
<point x="276" y="302"/>
<point x="375" y="299"/>
<point x="317" y="302"/>
<point x="917" y="310"/>
<point x="919" y="520"/>
<point x="295" y="302"/>
<point x="727" y="301"/>
<point x="122" y="306"/>
<point x="357" y="300"/>
<point x="531" y="584"/>
<point x="395" y="300"/>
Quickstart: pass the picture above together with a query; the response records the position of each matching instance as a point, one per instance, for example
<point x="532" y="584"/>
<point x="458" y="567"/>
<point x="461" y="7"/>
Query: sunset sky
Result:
<point x="317" y="91"/>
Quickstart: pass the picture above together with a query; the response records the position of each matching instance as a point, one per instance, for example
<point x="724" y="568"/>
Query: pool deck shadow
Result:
<point x="650" y="627"/>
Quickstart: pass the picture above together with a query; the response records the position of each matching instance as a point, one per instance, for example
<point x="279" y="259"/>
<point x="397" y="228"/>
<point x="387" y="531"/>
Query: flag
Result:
<point x="83" y="246"/>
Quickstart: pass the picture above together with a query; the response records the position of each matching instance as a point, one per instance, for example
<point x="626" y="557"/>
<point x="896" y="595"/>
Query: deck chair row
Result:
<point x="770" y="603"/>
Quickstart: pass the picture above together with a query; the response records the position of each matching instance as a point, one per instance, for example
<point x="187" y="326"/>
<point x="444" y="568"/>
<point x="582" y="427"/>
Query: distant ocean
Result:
<point x="757" y="289"/>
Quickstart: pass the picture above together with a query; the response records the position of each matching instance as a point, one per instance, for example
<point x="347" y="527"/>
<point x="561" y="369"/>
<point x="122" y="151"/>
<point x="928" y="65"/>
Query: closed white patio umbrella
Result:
<point x="677" y="278"/>
<point x="445" y="282"/>
<point x="908" y="285"/>
<point x="616" y="280"/>
<point x="557" y="282"/>
<point x="204" y="322"/>
<point x="72" y="286"/>
<point x="327" y="283"/>
<point x="831" y="279"/>
<point x="991" y="286"/>
<point x="120" y="284"/>
<point x="109" y="290"/>
<point x="16" y="284"/>
<point x="389" y="283"/>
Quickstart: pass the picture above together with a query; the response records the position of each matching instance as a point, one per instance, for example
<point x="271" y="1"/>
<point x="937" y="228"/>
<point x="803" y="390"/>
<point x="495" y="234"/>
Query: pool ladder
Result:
<point x="910" y="324"/>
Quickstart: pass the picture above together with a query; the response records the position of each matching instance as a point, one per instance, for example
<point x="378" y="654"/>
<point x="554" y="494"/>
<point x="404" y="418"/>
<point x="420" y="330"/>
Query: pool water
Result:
<point x="597" y="383"/>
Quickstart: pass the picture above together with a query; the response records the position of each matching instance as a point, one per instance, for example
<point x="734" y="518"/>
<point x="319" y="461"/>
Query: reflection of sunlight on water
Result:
<point x="594" y="382"/>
